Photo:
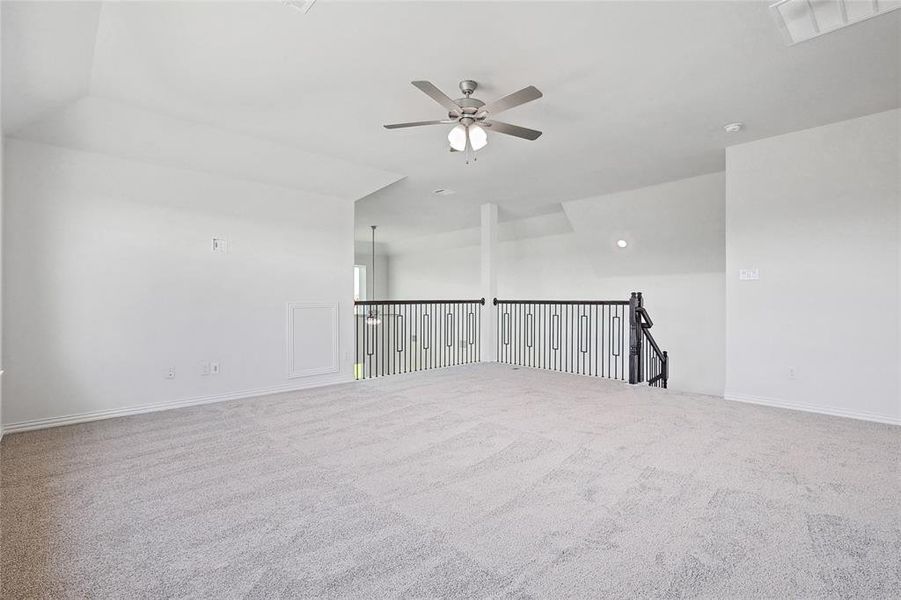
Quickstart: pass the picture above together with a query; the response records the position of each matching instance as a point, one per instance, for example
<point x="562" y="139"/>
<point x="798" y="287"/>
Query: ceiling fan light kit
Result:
<point x="477" y="137"/>
<point x="471" y="116"/>
<point x="457" y="138"/>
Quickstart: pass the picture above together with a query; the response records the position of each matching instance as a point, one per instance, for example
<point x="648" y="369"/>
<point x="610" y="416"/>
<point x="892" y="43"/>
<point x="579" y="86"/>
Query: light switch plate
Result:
<point x="220" y="245"/>
<point x="748" y="274"/>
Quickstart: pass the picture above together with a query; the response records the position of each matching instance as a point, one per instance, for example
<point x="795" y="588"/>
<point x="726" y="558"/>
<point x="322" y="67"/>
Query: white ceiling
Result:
<point x="110" y="127"/>
<point x="670" y="228"/>
<point x="48" y="50"/>
<point x="635" y="92"/>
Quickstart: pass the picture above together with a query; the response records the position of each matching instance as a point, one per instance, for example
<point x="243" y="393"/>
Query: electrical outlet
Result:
<point x="214" y="368"/>
<point x="170" y="374"/>
<point x="792" y="373"/>
<point x="205" y="367"/>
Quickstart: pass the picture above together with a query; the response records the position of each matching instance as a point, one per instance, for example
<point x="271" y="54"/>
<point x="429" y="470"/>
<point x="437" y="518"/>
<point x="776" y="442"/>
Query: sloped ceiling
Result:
<point x="111" y="127"/>
<point x="52" y="54"/>
<point x="552" y="223"/>
<point x="671" y="228"/>
<point x="48" y="54"/>
<point x="636" y="93"/>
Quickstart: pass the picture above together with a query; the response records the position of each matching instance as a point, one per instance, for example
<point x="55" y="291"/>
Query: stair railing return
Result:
<point x="647" y="363"/>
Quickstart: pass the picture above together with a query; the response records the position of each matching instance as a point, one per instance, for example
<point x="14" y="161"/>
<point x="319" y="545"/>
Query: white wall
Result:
<point x="684" y="291"/>
<point x="428" y="274"/>
<point x="109" y="280"/>
<point x="671" y="228"/>
<point x="2" y="143"/>
<point x="898" y="179"/>
<point x="817" y="213"/>
<point x="377" y="289"/>
<point x="687" y="308"/>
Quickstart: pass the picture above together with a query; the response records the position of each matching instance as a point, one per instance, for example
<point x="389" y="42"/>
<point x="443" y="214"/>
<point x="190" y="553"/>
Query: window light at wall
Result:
<point x="373" y="317"/>
<point x="801" y="20"/>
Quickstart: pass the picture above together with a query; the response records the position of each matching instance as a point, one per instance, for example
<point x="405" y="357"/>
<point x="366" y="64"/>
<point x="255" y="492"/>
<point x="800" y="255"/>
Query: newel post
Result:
<point x="635" y="338"/>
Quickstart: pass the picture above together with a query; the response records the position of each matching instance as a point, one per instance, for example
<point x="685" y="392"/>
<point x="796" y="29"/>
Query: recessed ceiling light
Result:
<point x="622" y="243"/>
<point x="443" y="192"/>
<point x="733" y="127"/>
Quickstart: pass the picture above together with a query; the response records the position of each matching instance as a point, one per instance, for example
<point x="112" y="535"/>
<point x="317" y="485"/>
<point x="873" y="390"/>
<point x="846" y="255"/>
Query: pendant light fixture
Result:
<point x="373" y="317"/>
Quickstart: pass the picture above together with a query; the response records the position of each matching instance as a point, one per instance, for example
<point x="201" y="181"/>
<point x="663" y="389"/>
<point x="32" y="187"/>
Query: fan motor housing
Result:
<point x="468" y="86"/>
<point x="469" y="105"/>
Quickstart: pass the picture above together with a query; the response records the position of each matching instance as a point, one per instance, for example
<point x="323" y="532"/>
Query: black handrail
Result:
<point x="647" y="322"/>
<point x="566" y="302"/>
<point x="402" y="336"/>
<point x="585" y="337"/>
<point x="572" y="336"/>
<point x="402" y="302"/>
<point x="575" y="336"/>
<point x="647" y="363"/>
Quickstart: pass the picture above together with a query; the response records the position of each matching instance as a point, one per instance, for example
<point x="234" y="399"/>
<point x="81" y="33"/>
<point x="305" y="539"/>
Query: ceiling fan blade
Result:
<point x="415" y="124"/>
<point x="524" y="95"/>
<point x="438" y="96"/>
<point x="514" y="130"/>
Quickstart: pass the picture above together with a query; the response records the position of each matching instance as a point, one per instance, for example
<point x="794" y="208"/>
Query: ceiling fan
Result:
<point x="473" y="117"/>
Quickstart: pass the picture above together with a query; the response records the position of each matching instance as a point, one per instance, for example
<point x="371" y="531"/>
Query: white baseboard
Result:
<point x="110" y="413"/>
<point x="833" y="412"/>
<point x="1" y="405"/>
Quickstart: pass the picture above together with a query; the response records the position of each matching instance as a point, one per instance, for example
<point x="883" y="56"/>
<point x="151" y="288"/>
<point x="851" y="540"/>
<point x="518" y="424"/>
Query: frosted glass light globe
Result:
<point x="478" y="137"/>
<point x="457" y="138"/>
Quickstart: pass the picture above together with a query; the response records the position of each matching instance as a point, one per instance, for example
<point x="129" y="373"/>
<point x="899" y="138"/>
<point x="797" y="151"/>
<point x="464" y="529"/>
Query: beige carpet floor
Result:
<point x="481" y="481"/>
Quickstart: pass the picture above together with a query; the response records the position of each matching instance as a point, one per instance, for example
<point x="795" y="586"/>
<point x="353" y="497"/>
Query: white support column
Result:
<point x="488" y="332"/>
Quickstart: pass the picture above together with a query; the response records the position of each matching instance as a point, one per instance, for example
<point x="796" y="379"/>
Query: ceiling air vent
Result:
<point x="801" y="20"/>
<point x="303" y="6"/>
